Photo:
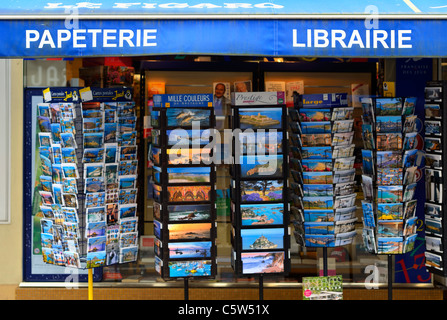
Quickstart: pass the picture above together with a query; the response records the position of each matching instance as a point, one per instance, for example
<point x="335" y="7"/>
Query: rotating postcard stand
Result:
<point x="259" y="199"/>
<point x="184" y="186"/>
<point x="322" y="168"/>
<point x="389" y="178"/>
<point x="87" y="178"/>
<point x="435" y="234"/>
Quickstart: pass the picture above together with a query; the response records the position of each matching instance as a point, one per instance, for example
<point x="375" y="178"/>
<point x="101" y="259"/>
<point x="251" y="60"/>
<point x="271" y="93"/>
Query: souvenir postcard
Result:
<point x="433" y="209"/>
<point x="129" y="167"/>
<point x="95" y="199"/>
<point x="342" y="189"/>
<point x="432" y="144"/>
<point x="127" y="182"/>
<point x="192" y="250"/>
<point x="389" y="194"/>
<point x="95" y="244"/>
<point x="257" y="118"/>
<point x="367" y="162"/>
<point x="188" y="268"/>
<point x="95" y="259"/>
<point x="110" y="152"/>
<point x="433" y="93"/>
<point x="126" y="124"/>
<point x="112" y="195"/>
<point x="345" y="201"/>
<point x="45" y="139"/>
<point x="316" y="127"/>
<point x="93" y="140"/>
<point x="433" y="225"/>
<point x="179" y="137"/>
<point x="367" y="111"/>
<point x="389" y="141"/>
<point x="320" y="240"/>
<point x="128" y="239"/>
<point x="265" y="214"/>
<point x="69" y="155"/>
<point x="316" y="153"/>
<point x="343" y="151"/>
<point x="344" y="163"/>
<point x="369" y="240"/>
<point x="71" y="245"/>
<point x="189" y="156"/>
<point x="126" y="109"/>
<point x="93" y="170"/>
<point x="189" y="175"/>
<point x="433" y="244"/>
<point x="127" y="139"/>
<point x="319" y="228"/>
<point x="368" y="136"/>
<point x="410" y="124"/>
<point x="70" y="170"/>
<point x="127" y="196"/>
<point x="342" y="113"/>
<point x="46" y="198"/>
<point x="342" y="176"/>
<point x="260" y="142"/>
<point x="410" y="141"/>
<point x="410" y="226"/>
<point x="94" y="184"/>
<point x="389" y="106"/>
<point x="262" y="239"/>
<point x="316" y="140"/>
<point x="389" y="176"/>
<point x="409" y="106"/>
<point x="110" y="132"/>
<point x="127" y="211"/>
<point x="112" y="252"/>
<point x="433" y="189"/>
<point x="317" y="190"/>
<point x="410" y="158"/>
<point x="128" y="225"/>
<point x="390" y="228"/>
<point x="46" y="165"/>
<point x="46" y="152"/>
<point x="92" y="124"/>
<point x="432" y="111"/>
<point x="46" y="225"/>
<point x="295" y="140"/>
<point x="308" y="115"/>
<point x="390" y="211"/>
<point x="262" y="262"/>
<point x="343" y="126"/>
<point x="368" y="214"/>
<point x="46" y="183"/>
<point x="433" y="160"/>
<point x="345" y="226"/>
<point x="342" y="138"/>
<point x="260" y="191"/>
<point x="318" y="202"/>
<point x="110" y="115"/>
<point x="92" y="109"/>
<point x="44" y="124"/>
<point x="387" y="124"/>
<point x="56" y="131"/>
<point x="315" y="165"/>
<point x="70" y="200"/>
<point x="43" y="109"/>
<point x="189" y="231"/>
<point x="409" y="192"/>
<point x="389" y="159"/>
<point x="72" y="259"/>
<point x="261" y="166"/>
<point x="189" y="193"/>
<point x="95" y="229"/>
<point x="433" y="127"/>
<point x="319" y="215"/>
<point x="68" y="125"/>
<point x="58" y="174"/>
<point x="324" y="177"/>
<point x="389" y="245"/>
<point x="71" y="230"/>
<point x="180" y="117"/>
<point x="111" y="176"/>
<point x="47" y="211"/>
<point x="198" y="212"/>
<point x="70" y="214"/>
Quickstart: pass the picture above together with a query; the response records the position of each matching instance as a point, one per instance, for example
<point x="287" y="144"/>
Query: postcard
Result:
<point x="189" y="193"/>
<point x="342" y="113"/>
<point x="433" y="209"/>
<point x="312" y="165"/>
<point x="324" y="177"/>
<point x="94" y="199"/>
<point x="111" y="212"/>
<point x="343" y="151"/>
<point x="46" y="197"/>
<point x="390" y="228"/>
<point x="433" y="127"/>
<point x="127" y="138"/>
<point x="410" y="140"/>
<point x="56" y="131"/>
<point x="342" y="176"/>
<point x="262" y="262"/>
<point x="344" y="163"/>
<point x="369" y="240"/>
<point x="69" y="155"/>
<point x="316" y="140"/>
<point x="325" y="228"/>
<point x="96" y="214"/>
<point x="260" y="118"/>
<point x="433" y="93"/>
<point x="433" y="160"/>
<point x="189" y="231"/>
<point x="389" y="245"/>
<point x="127" y="196"/>
<point x="69" y="170"/>
<point x="432" y="111"/>
<point x="92" y="124"/>
<point x="367" y="162"/>
<point x="188" y="268"/>
<point x="128" y="167"/>
<point x="95" y="229"/>
<point x="261" y="166"/>
<point x="342" y="138"/>
<point x="309" y="115"/>
<point x="262" y="238"/>
<point x="128" y="153"/>
<point x="316" y="152"/>
<point x="95" y="259"/>
<point x="409" y="192"/>
<point x="126" y="109"/>
<point x="432" y="144"/>
<point x="389" y="141"/>
<point x="411" y="158"/>
<point x="110" y="152"/>
<point x="388" y="124"/>
<point x="389" y="106"/>
<point x="320" y="240"/>
<point x="96" y="244"/>
<point x="70" y="200"/>
<point x="95" y="184"/>
<point x="189" y="212"/>
<point x="410" y="124"/>
<point x="180" y="117"/>
<point x="127" y="182"/>
<point x="433" y="244"/>
<point x="319" y="215"/>
<point x="368" y="136"/>
<point x="367" y="111"/>
<point x="389" y="159"/>
<point x="318" y="202"/>
<point x="260" y="142"/>
<point x="128" y="239"/>
<point x="189" y="175"/>
<point x="317" y="190"/>
<point x="45" y="139"/>
<point x="390" y="176"/>
<point x="344" y="201"/>
<point x="110" y="132"/>
<point x="127" y="211"/>
<point x="111" y="176"/>
<point x="390" y="211"/>
<point x="433" y="225"/>
<point x="315" y="127"/>
<point x="46" y="183"/>
<point x="343" y="126"/>
<point x="409" y="106"/>
<point x="70" y="214"/>
<point x="192" y="250"/>
<point x="368" y="215"/>
<point x="410" y="226"/>
<point x="72" y="259"/>
<point x="93" y="170"/>
<point x="390" y="194"/>
<point x="263" y="190"/>
<point x="93" y="140"/>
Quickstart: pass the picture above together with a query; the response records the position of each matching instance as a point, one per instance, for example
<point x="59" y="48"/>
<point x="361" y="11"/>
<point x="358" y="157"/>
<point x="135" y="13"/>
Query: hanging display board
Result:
<point x="259" y="198"/>
<point x="83" y="202"/>
<point x="322" y="168"/>
<point x="390" y="163"/>
<point x="184" y="178"/>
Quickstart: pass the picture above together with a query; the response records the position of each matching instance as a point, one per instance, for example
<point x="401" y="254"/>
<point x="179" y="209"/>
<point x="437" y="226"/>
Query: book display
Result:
<point x="389" y="174"/>
<point x="88" y="180"/>
<point x="184" y="178"/>
<point x="435" y="235"/>
<point x="322" y="169"/>
<point x="259" y="201"/>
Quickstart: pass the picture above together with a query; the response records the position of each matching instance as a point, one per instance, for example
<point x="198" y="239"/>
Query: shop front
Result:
<point x="117" y="55"/>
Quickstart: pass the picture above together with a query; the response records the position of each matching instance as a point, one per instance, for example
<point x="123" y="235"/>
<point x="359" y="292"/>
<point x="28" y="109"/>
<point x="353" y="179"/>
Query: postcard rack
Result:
<point x="322" y="168"/>
<point x="259" y="199"/>
<point x="184" y="178"/>
<point x="435" y="233"/>
<point x="390" y="163"/>
<point x="87" y="179"/>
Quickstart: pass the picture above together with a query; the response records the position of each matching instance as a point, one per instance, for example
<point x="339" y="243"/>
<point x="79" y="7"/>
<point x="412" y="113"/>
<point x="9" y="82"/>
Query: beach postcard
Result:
<point x="389" y="245"/>
<point x="262" y="214"/>
<point x="389" y="194"/>
<point x="324" y="177"/>
<point x="198" y="212"/>
<point x="189" y="175"/>
<point x="262" y="262"/>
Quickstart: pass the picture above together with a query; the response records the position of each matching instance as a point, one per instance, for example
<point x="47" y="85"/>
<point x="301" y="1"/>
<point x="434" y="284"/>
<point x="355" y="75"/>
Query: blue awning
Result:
<point x="321" y="28"/>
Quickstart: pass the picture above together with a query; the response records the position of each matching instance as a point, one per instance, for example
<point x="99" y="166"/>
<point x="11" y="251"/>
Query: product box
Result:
<point x="182" y="100"/>
<point x="257" y="98"/>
